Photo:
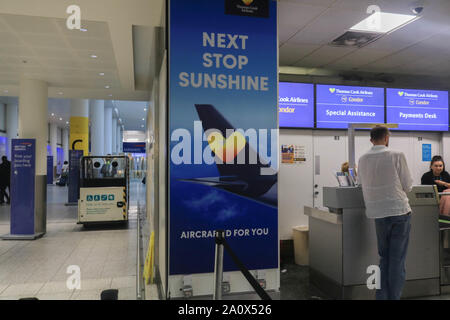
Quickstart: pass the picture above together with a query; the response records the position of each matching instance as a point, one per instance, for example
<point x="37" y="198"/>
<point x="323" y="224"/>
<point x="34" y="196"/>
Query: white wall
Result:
<point x="296" y="181"/>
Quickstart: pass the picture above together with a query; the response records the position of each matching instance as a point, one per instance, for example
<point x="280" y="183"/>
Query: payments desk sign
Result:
<point x="421" y="110"/>
<point x="337" y="106"/>
<point x="296" y="105"/>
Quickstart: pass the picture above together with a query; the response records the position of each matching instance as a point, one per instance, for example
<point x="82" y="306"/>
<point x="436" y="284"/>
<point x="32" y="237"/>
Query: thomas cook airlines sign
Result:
<point x="252" y="8"/>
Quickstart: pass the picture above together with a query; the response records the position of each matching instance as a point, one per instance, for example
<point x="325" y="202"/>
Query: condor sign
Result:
<point x="296" y="105"/>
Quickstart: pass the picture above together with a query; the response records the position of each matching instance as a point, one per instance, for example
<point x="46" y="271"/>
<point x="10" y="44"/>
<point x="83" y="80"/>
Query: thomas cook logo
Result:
<point x="401" y="93"/>
<point x="332" y="90"/>
<point x="250" y="8"/>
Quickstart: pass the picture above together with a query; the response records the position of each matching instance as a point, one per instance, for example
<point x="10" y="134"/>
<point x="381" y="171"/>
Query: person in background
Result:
<point x="65" y="168"/>
<point x="385" y="180"/>
<point x="437" y="174"/>
<point x="5" y="180"/>
<point x="344" y="167"/>
<point x="441" y="178"/>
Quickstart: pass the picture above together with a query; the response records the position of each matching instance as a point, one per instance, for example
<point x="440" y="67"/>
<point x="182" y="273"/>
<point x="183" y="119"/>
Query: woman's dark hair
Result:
<point x="436" y="159"/>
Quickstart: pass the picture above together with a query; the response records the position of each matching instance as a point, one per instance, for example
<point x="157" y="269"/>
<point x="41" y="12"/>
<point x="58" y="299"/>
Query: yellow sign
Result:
<point x="79" y="133"/>
<point x="150" y="260"/>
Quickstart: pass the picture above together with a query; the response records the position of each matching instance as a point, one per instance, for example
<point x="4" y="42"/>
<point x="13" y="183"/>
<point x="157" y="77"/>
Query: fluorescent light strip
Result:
<point x="383" y="22"/>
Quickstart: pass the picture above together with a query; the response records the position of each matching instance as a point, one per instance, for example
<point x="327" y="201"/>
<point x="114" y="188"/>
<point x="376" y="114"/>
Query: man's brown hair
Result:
<point x="379" y="132"/>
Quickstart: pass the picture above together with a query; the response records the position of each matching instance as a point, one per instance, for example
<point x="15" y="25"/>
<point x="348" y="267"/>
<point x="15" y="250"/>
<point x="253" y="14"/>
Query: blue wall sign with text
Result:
<point x="134" y="147"/>
<point x="23" y="171"/>
<point x="49" y="169"/>
<point x="426" y="152"/>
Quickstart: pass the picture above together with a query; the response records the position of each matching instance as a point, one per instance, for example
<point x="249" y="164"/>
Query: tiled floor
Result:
<point x="106" y="257"/>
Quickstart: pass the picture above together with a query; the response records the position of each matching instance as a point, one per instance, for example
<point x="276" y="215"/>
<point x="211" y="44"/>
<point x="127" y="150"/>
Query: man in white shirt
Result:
<point x="385" y="180"/>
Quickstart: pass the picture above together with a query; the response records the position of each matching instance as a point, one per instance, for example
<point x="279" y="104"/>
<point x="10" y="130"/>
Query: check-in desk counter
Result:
<point x="343" y="244"/>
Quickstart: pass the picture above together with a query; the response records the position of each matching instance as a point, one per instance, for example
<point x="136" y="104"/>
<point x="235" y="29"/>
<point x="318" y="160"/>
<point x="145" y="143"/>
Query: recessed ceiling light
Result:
<point x="93" y="56"/>
<point x="67" y="122"/>
<point x="83" y="29"/>
<point x="145" y="109"/>
<point x="53" y="114"/>
<point x="383" y="22"/>
<point x="101" y="74"/>
<point x="107" y="87"/>
<point x="60" y="119"/>
<point x="143" y="119"/>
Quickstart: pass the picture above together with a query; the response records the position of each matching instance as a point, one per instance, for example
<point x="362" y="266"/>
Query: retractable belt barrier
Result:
<point x="220" y="241"/>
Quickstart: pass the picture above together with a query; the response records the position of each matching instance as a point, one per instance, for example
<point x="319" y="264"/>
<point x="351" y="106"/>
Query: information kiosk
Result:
<point x="104" y="185"/>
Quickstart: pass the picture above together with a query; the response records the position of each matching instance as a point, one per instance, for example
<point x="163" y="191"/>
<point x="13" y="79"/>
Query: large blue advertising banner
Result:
<point x="23" y="170"/>
<point x="296" y="105"/>
<point x="223" y="133"/>
<point x="424" y="110"/>
<point x="337" y="106"/>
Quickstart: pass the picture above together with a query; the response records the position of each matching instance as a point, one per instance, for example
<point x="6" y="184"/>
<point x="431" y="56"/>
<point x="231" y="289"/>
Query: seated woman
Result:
<point x="441" y="178"/>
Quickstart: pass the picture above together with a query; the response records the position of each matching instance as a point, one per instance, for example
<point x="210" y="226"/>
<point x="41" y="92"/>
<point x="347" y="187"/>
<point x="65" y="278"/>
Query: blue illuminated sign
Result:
<point x="424" y="110"/>
<point x="337" y="106"/>
<point x="296" y="105"/>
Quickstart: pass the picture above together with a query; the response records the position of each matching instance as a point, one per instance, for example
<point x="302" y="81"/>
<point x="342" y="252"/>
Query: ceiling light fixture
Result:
<point x="94" y="56"/>
<point x="53" y="114"/>
<point x="384" y="22"/>
<point x="145" y="109"/>
<point x="60" y="119"/>
<point x="67" y="122"/>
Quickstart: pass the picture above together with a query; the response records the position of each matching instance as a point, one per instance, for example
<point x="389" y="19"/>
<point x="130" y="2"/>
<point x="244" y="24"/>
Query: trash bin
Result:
<point x="301" y="247"/>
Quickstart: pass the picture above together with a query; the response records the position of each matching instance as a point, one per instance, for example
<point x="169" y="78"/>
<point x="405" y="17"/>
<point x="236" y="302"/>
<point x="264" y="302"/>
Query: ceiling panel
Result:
<point x="328" y="26"/>
<point x="291" y="53"/>
<point x="293" y="17"/>
<point x="324" y="55"/>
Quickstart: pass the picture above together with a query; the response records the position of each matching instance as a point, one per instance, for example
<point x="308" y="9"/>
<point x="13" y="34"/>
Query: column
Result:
<point x="114" y="135"/>
<point x="33" y="110"/>
<point x="119" y="141"/>
<point x="97" y="108"/>
<point x="12" y="123"/>
<point x="54" y="141"/>
<point x="65" y="143"/>
<point x="108" y="130"/>
<point x="79" y="125"/>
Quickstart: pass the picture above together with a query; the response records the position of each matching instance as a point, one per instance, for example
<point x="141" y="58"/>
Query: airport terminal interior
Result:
<point x="200" y="150"/>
